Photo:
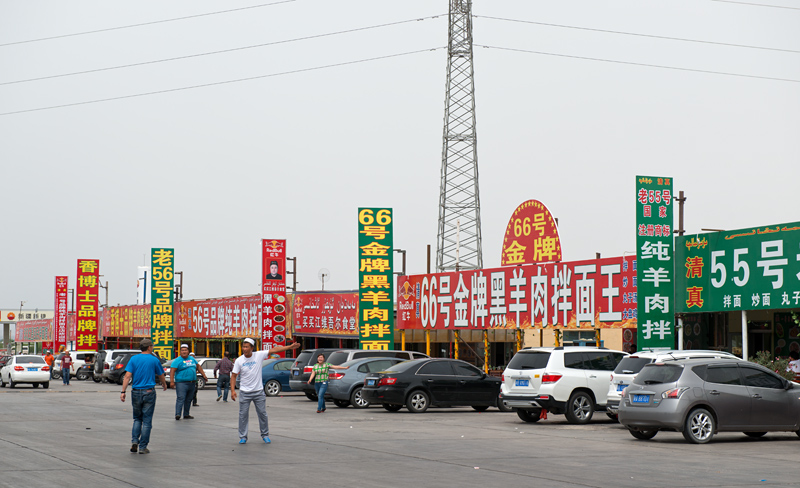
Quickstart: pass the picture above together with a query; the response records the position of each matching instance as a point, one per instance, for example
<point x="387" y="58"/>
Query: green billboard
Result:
<point x="746" y="269"/>
<point x="375" y="277"/>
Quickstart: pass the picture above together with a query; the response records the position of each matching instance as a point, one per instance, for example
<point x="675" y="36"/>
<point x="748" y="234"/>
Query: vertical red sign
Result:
<point x="86" y="305"/>
<point x="60" y="317"/>
<point x="273" y="293"/>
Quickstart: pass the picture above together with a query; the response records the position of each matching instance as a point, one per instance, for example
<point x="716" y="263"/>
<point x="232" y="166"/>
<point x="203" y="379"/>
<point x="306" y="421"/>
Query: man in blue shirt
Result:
<point x="142" y="372"/>
<point x="183" y="377"/>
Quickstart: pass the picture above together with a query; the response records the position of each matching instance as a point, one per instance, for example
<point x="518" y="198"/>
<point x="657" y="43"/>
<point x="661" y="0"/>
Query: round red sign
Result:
<point x="531" y="236"/>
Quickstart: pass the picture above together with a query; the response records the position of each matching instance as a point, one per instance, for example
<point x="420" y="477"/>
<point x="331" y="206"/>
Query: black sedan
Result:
<point x="421" y="383"/>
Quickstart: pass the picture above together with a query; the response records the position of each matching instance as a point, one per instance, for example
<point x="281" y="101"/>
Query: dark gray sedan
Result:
<point x="701" y="397"/>
<point x="344" y="386"/>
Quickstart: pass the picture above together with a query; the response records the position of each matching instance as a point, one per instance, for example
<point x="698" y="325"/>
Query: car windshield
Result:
<point x="529" y="360"/>
<point x="30" y="360"/>
<point x="338" y="357"/>
<point x="657" y="373"/>
<point x="303" y="358"/>
<point x="631" y="365"/>
<point x="405" y="365"/>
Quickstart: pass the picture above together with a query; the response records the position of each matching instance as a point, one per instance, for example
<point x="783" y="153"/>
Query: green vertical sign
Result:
<point x="654" y="265"/>
<point x="162" y="273"/>
<point x="375" y="273"/>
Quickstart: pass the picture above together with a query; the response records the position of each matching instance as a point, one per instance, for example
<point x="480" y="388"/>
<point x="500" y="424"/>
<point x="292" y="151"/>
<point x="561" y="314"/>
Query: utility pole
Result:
<point x="293" y="272"/>
<point x="459" y="200"/>
<point x="681" y="200"/>
<point x="179" y="287"/>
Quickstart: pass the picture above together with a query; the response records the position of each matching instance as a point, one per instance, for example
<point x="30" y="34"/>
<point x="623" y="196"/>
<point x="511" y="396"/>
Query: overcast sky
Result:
<point x="210" y="171"/>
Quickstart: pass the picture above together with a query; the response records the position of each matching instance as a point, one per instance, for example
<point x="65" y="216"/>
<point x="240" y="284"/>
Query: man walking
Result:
<point x="248" y="365"/>
<point x="183" y="375"/>
<point x="224" y="368"/>
<point x="49" y="359"/>
<point x="66" y="367"/>
<point x="142" y="371"/>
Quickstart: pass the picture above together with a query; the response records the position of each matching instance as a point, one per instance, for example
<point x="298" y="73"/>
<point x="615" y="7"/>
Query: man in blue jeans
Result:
<point x="183" y="377"/>
<point x="142" y="372"/>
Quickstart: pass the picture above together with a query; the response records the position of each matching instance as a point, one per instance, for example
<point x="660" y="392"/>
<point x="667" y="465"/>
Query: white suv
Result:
<point x="568" y="380"/>
<point x="630" y="366"/>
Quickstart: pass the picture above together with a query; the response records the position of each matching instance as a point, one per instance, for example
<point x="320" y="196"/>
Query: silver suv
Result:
<point x="630" y="366"/>
<point x="700" y="397"/>
<point x="568" y="380"/>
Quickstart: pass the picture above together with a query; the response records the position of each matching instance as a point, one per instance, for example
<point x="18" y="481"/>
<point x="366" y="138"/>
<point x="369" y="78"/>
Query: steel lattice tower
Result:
<point x="459" y="239"/>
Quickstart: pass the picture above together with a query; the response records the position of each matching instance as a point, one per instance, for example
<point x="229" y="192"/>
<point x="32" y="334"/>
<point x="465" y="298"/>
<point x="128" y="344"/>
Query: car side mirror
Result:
<point x="789" y="385"/>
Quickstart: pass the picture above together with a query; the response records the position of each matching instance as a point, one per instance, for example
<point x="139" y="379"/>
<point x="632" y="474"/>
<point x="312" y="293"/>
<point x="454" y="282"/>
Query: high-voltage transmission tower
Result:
<point x="459" y="239"/>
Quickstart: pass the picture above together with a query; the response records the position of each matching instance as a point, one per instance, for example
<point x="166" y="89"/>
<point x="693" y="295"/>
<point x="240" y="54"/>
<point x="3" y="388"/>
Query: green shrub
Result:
<point x="764" y="358"/>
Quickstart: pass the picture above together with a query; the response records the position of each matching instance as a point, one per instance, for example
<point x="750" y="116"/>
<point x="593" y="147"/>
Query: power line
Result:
<point x="638" y="64"/>
<point x="756" y="4"/>
<point x="218" y="52"/>
<point x="302" y="70"/>
<point x="146" y="23"/>
<point x="639" y="35"/>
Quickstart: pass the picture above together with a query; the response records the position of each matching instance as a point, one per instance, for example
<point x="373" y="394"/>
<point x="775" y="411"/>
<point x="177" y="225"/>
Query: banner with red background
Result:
<point x="599" y="293"/>
<point x="40" y="330"/>
<point x="273" y="294"/>
<point x="60" y="317"/>
<point x="531" y="236"/>
<point x="221" y="318"/>
<point x="326" y="314"/>
<point x="86" y="305"/>
<point x="127" y="321"/>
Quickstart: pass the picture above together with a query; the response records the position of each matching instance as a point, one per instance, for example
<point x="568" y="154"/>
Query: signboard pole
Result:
<point x="744" y="335"/>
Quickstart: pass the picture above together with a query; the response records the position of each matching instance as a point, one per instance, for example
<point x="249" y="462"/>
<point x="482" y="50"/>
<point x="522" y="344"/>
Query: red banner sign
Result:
<point x="531" y="236"/>
<point x="326" y="314"/>
<point x="127" y="321"/>
<point x="599" y="293"/>
<point x="223" y="318"/>
<point x="86" y="305"/>
<point x="33" y="330"/>
<point x="60" y="317"/>
<point x="273" y="294"/>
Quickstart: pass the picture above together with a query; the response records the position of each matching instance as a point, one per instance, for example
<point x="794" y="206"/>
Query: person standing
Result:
<point x="248" y="365"/>
<point x="319" y="375"/>
<point x="50" y="359"/>
<point x="66" y="368"/>
<point x="194" y="397"/>
<point x="224" y="368"/>
<point x="142" y="372"/>
<point x="183" y="374"/>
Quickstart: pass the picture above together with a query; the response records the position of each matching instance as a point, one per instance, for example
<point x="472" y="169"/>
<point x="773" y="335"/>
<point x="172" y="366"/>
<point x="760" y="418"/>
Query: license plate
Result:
<point x="370" y="382"/>
<point x="641" y="399"/>
<point x="521" y="382"/>
<point x="33" y="369"/>
<point x="621" y="387"/>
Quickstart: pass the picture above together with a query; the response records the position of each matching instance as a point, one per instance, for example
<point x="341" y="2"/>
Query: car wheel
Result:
<point x="272" y="388"/>
<point x="341" y="403"/>
<point x="311" y="396"/>
<point x="580" y="408"/>
<point x="46" y="385"/>
<point x="755" y="435"/>
<point x="201" y="383"/>
<point x="96" y="379"/>
<point x="396" y="408"/>
<point x="613" y="416"/>
<point x="120" y="380"/>
<point x="357" y="399"/>
<point x="81" y="376"/>
<point x="529" y="415"/>
<point x="56" y="375"/>
<point x="699" y="427"/>
<point x="11" y="383"/>
<point x="480" y="408"/>
<point x="3" y="385"/>
<point x="643" y="434"/>
<point x="418" y="401"/>
<point x="34" y="385"/>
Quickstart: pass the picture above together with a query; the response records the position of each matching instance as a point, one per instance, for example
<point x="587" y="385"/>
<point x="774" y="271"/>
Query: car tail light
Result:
<point x="19" y="368"/>
<point x="612" y="376"/>
<point x="46" y="368"/>
<point x="503" y="378"/>
<point x="308" y="369"/>
<point x="106" y="366"/>
<point x="674" y="393"/>
<point x="335" y="376"/>
<point x="387" y="381"/>
<point x="550" y="378"/>
<point x="119" y="366"/>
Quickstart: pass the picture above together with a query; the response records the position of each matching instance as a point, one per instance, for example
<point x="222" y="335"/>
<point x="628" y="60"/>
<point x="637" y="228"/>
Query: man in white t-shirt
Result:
<point x="248" y="368"/>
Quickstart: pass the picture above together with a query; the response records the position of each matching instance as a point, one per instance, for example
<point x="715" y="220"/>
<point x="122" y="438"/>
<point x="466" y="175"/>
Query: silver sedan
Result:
<point x="344" y="386"/>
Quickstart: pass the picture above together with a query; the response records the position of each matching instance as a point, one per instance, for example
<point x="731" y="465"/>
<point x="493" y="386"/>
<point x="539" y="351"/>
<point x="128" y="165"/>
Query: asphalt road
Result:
<point x="80" y="435"/>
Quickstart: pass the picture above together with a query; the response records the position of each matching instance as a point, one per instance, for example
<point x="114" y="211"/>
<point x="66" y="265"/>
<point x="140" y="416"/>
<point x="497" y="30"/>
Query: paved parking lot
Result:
<point x="80" y="434"/>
